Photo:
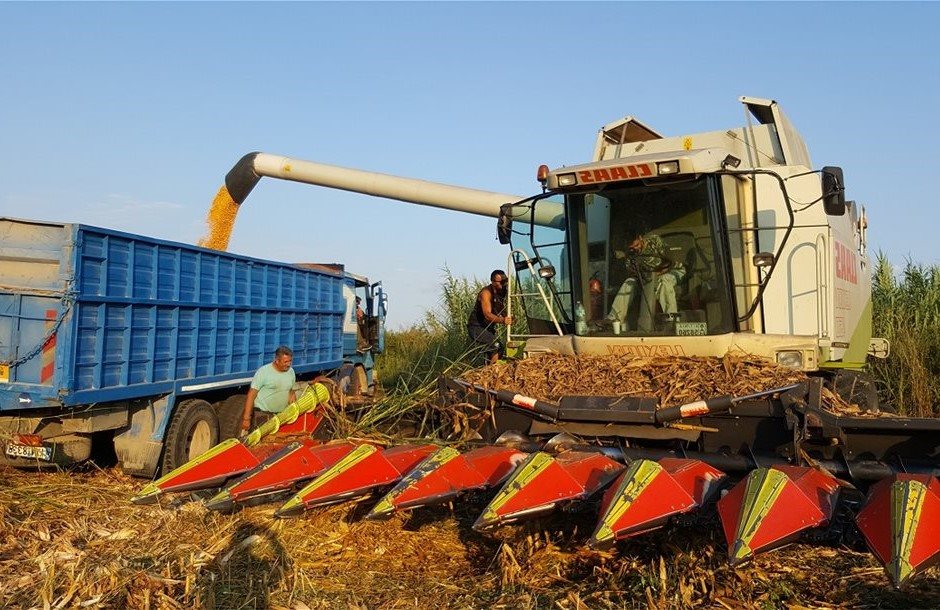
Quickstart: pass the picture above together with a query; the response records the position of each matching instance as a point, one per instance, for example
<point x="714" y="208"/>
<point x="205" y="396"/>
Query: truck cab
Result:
<point x="363" y="335"/>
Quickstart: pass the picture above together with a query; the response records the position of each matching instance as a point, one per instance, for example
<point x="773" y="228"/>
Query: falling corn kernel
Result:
<point x="220" y="220"/>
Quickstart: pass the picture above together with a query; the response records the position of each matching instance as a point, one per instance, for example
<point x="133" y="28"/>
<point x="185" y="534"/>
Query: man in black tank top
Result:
<point x="490" y="310"/>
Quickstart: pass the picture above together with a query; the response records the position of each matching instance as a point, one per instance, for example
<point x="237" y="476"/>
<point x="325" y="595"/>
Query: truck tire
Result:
<point x="193" y="430"/>
<point x="352" y="380"/>
<point x="230" y="416"/>
<point x="358" y="382"/>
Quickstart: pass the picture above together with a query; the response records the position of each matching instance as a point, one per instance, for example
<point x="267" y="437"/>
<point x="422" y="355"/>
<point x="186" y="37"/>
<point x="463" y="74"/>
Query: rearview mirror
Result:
<point x="833" y="191"/>
<point x="763" y="259"/>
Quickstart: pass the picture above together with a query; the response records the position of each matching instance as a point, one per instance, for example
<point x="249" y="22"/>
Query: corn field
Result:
<point x="414" y="357"/>
<point x="906" y="311"/>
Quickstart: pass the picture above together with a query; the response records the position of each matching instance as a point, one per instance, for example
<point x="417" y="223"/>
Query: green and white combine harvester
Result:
<point x="766" y="257"/>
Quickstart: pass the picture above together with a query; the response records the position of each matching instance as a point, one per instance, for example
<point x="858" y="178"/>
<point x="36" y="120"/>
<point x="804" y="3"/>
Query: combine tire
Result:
<point x="858" y="389"/>
<point x="193" y="430"/>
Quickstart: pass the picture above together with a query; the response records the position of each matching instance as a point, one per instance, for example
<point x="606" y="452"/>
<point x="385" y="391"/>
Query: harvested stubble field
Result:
<point x="72" y="540"/>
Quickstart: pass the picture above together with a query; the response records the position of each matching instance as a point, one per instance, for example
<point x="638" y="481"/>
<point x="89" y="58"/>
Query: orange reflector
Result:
<point x="30" y="440"/>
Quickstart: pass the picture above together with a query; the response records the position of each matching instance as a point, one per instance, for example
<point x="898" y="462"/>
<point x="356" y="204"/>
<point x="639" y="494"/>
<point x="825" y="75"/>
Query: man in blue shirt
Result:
<point x="272" y="387"/>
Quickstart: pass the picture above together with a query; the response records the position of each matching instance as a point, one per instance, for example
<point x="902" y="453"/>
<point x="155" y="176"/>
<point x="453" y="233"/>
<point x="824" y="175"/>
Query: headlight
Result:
<point x="567" y="180"/>
<point x="666" y="168"/>
<point x="791" y="360"/>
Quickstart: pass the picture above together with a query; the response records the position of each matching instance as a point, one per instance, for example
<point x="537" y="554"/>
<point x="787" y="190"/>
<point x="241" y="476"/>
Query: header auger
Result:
<point x="774" y="468"/>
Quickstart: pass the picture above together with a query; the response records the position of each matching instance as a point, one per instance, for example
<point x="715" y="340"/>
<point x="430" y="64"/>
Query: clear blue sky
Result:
<point x="128" y="115"/>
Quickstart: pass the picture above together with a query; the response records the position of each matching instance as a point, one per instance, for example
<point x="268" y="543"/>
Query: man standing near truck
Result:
<point x="272" y="387"/>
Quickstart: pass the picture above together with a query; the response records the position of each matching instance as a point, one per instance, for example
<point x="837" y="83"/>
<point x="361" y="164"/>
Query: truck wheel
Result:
<point x="337" y="399"/>
<point x="193" y="430"/>
<point x="358" y="382"/>
<point x="230" y="416"/>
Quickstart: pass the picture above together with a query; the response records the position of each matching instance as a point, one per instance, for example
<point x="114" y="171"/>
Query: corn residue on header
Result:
<point x="220" y="221"/>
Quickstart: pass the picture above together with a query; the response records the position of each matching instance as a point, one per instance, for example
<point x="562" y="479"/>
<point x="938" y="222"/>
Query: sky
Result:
<point x="129" y="115"/>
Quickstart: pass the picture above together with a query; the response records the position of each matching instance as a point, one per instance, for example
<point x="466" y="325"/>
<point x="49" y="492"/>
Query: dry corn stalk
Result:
<point x="671" y="380"/>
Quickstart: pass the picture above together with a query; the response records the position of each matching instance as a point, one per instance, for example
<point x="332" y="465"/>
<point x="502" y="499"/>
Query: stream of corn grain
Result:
<point x="220" y="221"/>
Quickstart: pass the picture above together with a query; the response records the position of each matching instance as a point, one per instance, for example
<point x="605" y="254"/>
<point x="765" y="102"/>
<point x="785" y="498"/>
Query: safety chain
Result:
<point x="68" y="299"/>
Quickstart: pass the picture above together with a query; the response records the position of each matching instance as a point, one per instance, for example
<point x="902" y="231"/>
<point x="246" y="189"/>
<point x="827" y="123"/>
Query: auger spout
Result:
<point x="249" y="170"/>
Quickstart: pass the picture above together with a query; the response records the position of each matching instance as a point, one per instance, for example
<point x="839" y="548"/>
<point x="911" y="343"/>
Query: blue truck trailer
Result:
<point x="112" y="338"/>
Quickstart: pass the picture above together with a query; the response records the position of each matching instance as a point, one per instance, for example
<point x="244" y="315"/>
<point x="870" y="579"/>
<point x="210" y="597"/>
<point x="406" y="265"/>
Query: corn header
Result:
<point x="775" y="467"/>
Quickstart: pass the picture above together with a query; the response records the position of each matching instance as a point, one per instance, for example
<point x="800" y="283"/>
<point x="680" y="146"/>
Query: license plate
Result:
<point x="30" y="451"/>
<point x="4" y="373"/>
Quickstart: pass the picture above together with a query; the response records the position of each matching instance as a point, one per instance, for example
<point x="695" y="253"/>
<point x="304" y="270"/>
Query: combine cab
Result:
<point x="694" y="247"/>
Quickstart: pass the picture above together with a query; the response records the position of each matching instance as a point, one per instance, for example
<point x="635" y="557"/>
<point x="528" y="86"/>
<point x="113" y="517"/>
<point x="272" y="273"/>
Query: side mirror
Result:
<point x="763" y="259"/>
<point x="547" y="272"/>
<point x="504" y="224"/>
<point x="833" y="191"/>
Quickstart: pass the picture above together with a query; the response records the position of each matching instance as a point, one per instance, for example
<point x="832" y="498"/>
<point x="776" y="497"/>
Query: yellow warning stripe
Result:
<point x="636" y="479"/>
<point x="907" y="502"/>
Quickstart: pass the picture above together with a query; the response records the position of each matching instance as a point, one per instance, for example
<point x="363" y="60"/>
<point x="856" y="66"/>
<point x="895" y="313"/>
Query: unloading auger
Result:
<point x="776" y="466"/>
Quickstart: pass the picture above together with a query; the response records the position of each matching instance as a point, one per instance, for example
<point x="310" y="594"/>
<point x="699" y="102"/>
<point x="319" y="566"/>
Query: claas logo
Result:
<point x="846" y="264"/>
<point x="619" y="172"/>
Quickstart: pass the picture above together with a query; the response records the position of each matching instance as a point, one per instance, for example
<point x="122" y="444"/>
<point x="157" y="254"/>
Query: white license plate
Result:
<point x="30" y="451"/>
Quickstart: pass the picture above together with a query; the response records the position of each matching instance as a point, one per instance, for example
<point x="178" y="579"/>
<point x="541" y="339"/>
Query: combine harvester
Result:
<point x="766" y="257"/>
